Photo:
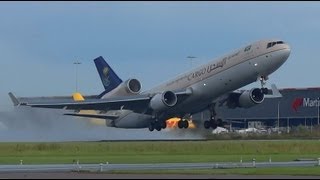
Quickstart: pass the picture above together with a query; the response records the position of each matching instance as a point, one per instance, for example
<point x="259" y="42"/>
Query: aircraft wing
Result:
<point x="137" y="103"/>
<point x="48" y="99"/>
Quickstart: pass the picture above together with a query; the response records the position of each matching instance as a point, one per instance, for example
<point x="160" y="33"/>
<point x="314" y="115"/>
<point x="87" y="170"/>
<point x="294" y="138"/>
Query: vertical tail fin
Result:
<point x="109" y="78"/>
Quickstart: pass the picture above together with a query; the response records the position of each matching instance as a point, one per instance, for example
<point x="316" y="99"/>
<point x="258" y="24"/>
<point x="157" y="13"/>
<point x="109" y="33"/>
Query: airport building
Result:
<point x="298" y="106"/>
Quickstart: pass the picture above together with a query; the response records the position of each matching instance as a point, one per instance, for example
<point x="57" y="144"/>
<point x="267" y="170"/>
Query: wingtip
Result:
<point x="275" y="92"/>
<point x="14" y="100"/>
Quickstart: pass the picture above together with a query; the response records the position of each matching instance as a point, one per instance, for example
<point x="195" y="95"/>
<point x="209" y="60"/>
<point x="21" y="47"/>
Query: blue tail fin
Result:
<point x="109" y="78"/>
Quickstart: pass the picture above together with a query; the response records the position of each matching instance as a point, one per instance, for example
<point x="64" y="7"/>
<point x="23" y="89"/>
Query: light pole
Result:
<point x="77" y="63"/>
<point x="278" y="117"/>
<point x="318" y="109"/>
<point x="191" y="57"/>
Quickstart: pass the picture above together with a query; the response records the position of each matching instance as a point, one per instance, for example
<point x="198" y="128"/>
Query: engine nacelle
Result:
<point x="128" y="87"/>
<point x="133" y="86"/>
<point x="250" y="98"/>
<point x="163" y="100"/>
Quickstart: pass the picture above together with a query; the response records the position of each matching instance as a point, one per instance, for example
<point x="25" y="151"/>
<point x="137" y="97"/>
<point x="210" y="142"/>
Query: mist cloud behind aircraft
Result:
<point x="42" y="125"/>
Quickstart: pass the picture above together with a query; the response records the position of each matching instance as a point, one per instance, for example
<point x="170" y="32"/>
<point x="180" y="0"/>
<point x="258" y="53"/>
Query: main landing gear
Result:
<point x="183" y="124"/>
<point x="158" y="125"/>
<point x="213" y="122"/>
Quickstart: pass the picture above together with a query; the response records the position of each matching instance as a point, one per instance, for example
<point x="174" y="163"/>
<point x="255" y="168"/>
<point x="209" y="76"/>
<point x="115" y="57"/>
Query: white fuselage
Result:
<point x="209" y="81"/>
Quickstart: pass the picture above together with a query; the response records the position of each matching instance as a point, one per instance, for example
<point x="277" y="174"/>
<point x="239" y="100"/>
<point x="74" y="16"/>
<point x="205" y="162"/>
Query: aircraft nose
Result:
<point x="287" y="51"/>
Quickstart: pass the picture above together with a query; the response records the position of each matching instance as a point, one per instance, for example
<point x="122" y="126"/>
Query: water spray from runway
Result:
<point x="25" y="124"/>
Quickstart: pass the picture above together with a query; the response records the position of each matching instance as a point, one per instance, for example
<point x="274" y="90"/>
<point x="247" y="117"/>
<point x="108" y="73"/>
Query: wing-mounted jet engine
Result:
<point x="162" y="101"/>
<point x="248" y="99"/>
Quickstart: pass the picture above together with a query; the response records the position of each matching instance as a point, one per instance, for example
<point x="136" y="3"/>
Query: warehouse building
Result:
<point x="298" y="106"/>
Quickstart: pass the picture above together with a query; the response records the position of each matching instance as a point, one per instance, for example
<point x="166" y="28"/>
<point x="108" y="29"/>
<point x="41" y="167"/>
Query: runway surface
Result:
<point x="101" y="171"/>
<point x="107" y="166"/>
<point x="76" y="175"/>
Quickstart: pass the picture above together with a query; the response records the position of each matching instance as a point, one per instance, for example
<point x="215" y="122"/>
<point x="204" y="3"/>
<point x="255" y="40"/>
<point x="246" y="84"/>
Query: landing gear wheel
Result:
<point x="180" y="124"/>
<point x="163" y="124"/>
<point x="185" y="124"/>
<point x="207" y="124"/>
<point x="214" y="124"/>
<point x="151" y="127"/>
<point x="157" y="127"/>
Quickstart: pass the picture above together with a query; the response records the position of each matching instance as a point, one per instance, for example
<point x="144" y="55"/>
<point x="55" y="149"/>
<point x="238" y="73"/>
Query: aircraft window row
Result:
<point x="270" y="44"/>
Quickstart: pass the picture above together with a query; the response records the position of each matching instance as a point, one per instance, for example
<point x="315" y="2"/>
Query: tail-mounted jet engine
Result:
<point x="133" y="86"/>
<point x="128" y="87"/>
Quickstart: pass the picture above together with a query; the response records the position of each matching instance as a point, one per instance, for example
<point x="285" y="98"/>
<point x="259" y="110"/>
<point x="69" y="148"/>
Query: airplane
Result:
<point x="202" y="88"/>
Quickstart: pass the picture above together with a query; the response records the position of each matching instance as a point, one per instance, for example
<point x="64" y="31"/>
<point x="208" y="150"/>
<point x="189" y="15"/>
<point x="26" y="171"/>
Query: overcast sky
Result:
<point x="39" y="41"/>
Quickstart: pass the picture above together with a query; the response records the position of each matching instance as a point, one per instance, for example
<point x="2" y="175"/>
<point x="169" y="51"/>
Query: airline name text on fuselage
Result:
<point x="205" y="70"/>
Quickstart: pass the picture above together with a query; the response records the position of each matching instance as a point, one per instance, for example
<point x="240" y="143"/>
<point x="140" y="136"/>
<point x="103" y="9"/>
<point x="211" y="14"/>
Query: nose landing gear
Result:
<point x="263" y="81"/>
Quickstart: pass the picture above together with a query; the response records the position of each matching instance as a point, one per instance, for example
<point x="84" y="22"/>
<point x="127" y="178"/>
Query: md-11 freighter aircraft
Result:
<point x="203" y="88"/>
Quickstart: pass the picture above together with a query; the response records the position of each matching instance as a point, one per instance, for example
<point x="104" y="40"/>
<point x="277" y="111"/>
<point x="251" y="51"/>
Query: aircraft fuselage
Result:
<point x="209" y="81"/>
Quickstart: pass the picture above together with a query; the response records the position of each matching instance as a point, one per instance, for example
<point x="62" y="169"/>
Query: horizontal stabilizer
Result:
<point x="100" y="116"/>
<point x="77" y="97"/>
<point x="14" y="99"/>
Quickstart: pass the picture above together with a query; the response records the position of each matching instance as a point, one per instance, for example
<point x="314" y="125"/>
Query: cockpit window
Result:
<point x="247" y="48"/>
<point x="270" y="44"/>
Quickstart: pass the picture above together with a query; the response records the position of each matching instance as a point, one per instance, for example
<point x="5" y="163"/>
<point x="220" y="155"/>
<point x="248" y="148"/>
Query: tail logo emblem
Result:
<point x="106" y="81"/>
